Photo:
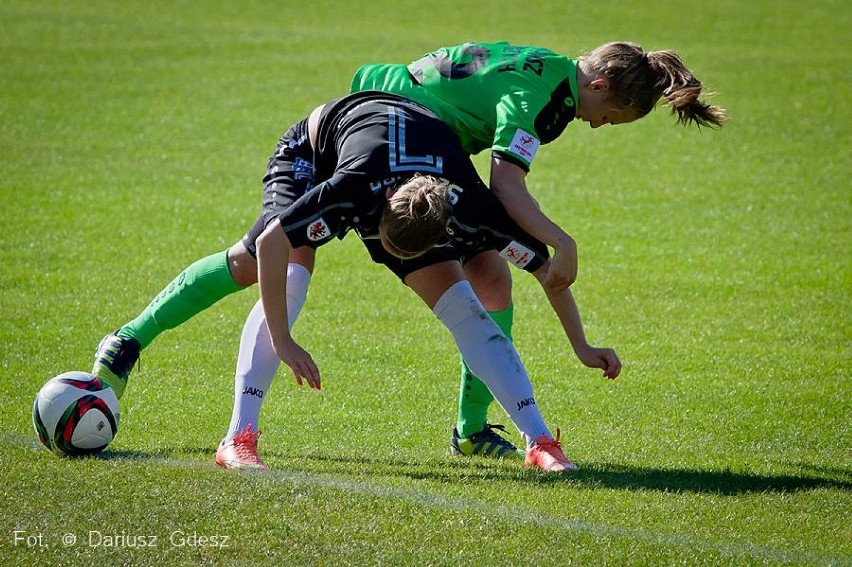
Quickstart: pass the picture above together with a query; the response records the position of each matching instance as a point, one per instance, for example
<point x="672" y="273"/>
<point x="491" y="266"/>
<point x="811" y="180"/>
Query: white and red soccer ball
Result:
<point x="76" y="414"/>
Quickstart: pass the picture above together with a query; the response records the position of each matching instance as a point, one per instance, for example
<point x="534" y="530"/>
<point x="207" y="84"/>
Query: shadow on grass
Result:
<point x="620" y="477"/>
<point x="726" y="482"/>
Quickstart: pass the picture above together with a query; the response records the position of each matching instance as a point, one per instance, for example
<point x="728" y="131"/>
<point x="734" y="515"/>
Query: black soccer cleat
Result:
<point x="487" y="443"/>
<point x="114" y="360"/>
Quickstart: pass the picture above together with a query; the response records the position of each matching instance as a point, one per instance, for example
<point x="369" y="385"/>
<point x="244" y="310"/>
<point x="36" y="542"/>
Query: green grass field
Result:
<point x="132" y="142"/>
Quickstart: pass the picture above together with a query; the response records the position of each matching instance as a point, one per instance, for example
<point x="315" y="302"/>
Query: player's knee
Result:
<point x="304" y="256"/>
<point x="242" y="265"/>
<point x="495" y="297"/>
<point x="491" y="281"/>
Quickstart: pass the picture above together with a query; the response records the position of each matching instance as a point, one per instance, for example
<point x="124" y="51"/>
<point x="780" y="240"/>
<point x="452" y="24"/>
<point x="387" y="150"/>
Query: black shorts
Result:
<point x="402" y="268"/>
<point x="289" y="175"/>
<point x="378" y="254"/>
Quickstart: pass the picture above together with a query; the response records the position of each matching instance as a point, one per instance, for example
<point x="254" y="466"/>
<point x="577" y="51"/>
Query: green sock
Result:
<point x="474" y="396"/>
<point x="196" y="288"/>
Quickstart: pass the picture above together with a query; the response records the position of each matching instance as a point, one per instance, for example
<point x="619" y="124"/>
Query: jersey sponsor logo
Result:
<point x="517" y="254"/>
<point x="318" y="230"/>
<point x="303" y="169"/>
<point x="524" y="144"/>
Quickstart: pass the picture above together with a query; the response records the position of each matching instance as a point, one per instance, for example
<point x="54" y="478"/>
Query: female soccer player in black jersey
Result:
<point x="389" y="169"/>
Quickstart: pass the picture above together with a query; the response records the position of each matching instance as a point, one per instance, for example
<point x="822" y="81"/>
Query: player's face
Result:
<point x="597" y="108"/>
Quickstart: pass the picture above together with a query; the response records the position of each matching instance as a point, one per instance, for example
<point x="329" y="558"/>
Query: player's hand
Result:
<point x="301" y="363"/>
<point x="562" y="271"/>
<point x="603" y="358"/>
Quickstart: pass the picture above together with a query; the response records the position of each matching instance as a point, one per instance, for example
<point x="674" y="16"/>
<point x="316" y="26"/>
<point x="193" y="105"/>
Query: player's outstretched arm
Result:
<point x="566" y="310"/>
<point x="508" y="183"/>
<point x="273" y="254"/>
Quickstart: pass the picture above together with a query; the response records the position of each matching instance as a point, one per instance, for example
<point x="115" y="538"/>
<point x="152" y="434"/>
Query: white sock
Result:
<point x="491" y="356"/>
<point x="257" y="362"/>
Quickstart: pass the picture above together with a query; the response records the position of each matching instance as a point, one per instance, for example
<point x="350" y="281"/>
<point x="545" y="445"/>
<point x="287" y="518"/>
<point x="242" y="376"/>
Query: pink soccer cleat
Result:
<point x="546" y="454"/>
<point x="240" y="452"/>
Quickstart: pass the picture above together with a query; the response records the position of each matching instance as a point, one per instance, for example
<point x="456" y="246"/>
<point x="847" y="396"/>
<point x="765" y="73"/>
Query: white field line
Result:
<point x="436" y="500"/>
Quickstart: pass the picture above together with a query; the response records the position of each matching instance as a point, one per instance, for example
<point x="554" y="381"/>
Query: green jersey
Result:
<point x="507" y="97"/>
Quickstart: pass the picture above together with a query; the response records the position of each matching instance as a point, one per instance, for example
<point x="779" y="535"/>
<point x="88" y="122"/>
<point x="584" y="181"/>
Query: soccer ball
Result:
<point x="76" y="414"/>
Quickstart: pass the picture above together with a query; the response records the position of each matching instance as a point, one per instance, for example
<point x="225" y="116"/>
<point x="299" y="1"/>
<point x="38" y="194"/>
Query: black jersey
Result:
<point x="371" y="141"/>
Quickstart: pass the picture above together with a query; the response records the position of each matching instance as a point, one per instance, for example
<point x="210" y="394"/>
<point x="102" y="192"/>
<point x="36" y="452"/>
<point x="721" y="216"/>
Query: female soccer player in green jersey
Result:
<point x="512" y="99"/>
